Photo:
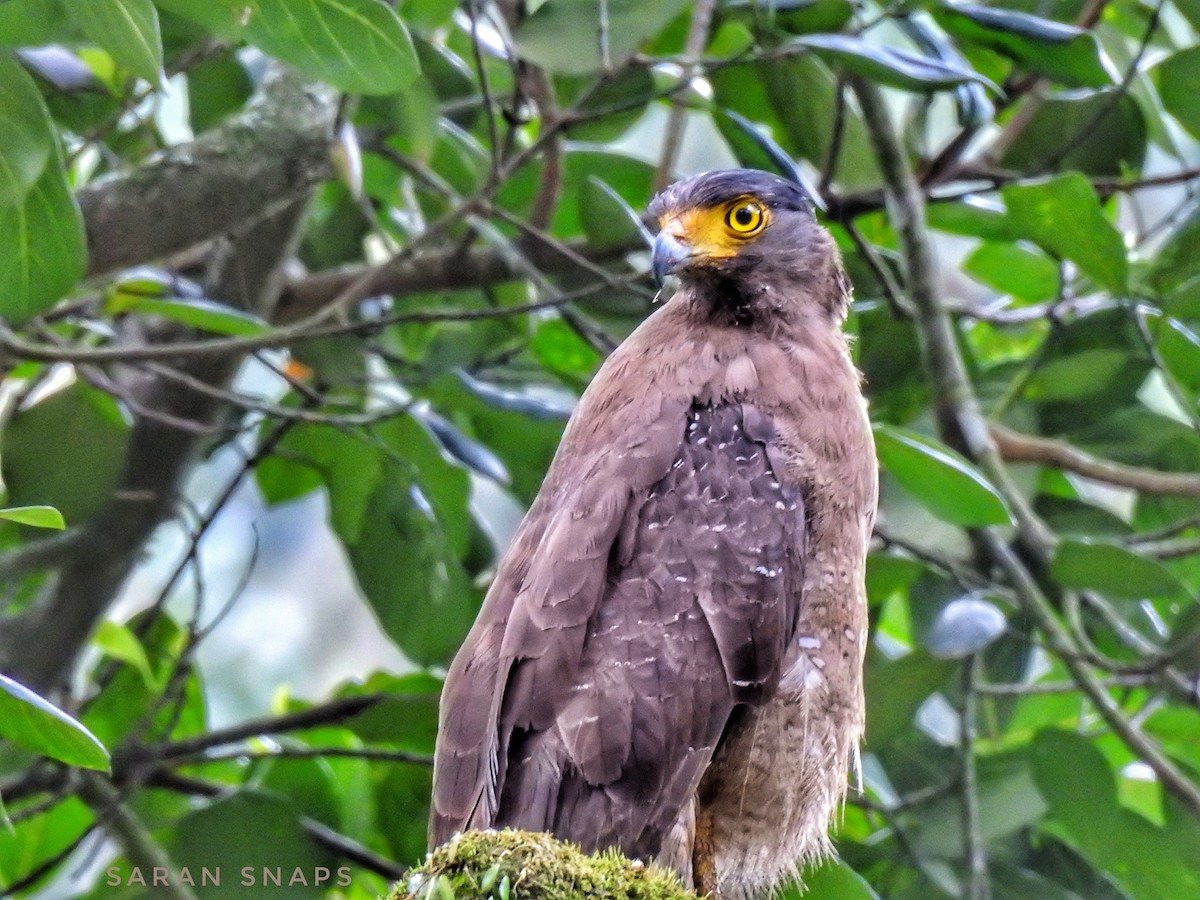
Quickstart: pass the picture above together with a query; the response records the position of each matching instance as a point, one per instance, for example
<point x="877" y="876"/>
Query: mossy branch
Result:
<point x="499" y="865"/>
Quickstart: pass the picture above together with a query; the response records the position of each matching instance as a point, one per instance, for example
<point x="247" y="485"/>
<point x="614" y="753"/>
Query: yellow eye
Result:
<point x="745" y="217"/>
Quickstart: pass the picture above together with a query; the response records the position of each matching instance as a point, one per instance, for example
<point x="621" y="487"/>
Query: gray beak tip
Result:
<point x="668" y="257"/>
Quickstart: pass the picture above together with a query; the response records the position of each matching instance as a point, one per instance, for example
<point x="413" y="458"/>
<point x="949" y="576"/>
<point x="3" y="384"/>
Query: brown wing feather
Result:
<point x="657" y="616"/>
<point x="546" y="588"/>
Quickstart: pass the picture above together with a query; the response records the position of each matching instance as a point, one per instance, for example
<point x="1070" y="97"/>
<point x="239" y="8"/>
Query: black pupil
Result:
<point x="744" y="216"/>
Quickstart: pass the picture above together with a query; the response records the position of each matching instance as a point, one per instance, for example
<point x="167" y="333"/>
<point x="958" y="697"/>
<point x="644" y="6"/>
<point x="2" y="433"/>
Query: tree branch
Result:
<point x="1017" y="447"/>
<point x="440" y="270"/>
<point x="38" y="646"/>
<point x="324" y="714"/>
<point x="264" y="158"/>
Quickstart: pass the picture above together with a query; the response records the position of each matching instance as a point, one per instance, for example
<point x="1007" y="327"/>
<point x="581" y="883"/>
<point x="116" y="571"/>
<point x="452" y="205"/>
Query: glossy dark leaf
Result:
<point x="1101" y="133"/>
<point x="776" y="157"/>
<point x="897" y="68"/>
<point x="608" y="220"/>
<point x="971" y="100"/>
<point x="1061" y="52"/>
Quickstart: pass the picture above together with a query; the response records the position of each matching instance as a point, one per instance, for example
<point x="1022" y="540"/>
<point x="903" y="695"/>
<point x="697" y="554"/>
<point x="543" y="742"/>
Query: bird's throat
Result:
<point x="727" y="302"/>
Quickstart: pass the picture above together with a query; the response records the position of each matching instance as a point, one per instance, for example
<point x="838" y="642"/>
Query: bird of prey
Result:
<point x="669" y="661"/>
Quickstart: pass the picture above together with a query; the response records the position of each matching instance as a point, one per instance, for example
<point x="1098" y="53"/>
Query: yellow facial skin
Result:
<point x="718" y="232"/>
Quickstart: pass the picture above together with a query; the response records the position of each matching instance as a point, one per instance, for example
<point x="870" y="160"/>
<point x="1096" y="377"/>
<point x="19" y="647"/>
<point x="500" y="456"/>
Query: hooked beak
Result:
<point x="668" y="256"/>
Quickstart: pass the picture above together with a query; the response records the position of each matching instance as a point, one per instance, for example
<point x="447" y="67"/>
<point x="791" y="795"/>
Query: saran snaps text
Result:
<point x="247" y="876"/>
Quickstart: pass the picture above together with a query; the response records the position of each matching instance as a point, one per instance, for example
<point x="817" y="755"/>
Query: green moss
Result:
<point x="521" y="865"/>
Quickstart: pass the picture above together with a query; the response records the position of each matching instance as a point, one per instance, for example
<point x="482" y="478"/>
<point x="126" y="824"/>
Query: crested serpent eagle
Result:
<point x="669" y="661"/>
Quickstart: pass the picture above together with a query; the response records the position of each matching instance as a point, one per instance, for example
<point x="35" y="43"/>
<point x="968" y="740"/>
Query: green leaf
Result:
<point x="1012" y="269"/>
<point x="205" y="315"/>
<point x="223" y="18"/>
<point x="1107" y="131"/>
<point x="1063" y="216"/>
<point x="1113" y="570"/>
<point x="255" y="830"/>
<point x="945" y="483"/>
<point x="121" y="643"/>
<point x="356" y="45"/>
<point x="309" y="455"/>
<point x="75" y="476"/>
<point x="34" y="723"/>
<point x="408" y="574"/>
<point x="897" y="68"/>
<point x="1077" y="375"/>
<point x="1063" y="53"/>
<point x="972" y="218"/>
<point x="1179" y="347"/>
<point x="1173" y="270"/>
<point x="217" y="87"/>
<point x="561" y="350"/>
<point x="128" y="30"/>
<point x="895" y="691"/>
<point x="33" y="23"/>
<point x="26" y="133"/>
<point x="1077" y="782"/>
<point x="42" y="248"/>
<point x="37" y="516"/>
<point x="608" y="221"/>
<point x="1178" y="78"/>
<point x="748" y="139"/>
<point x="42" y="838"/>
<point x="563" y="36"/>
<point x="833" y="879"/>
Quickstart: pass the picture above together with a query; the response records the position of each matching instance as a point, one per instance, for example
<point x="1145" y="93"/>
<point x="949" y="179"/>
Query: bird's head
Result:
<point x="745" y="237"/>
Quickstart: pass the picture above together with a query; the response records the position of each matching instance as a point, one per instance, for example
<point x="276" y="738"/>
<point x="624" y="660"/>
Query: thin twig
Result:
<point x="371" y="753"/>
<point x="323" y="714"/>
<point x="1018" y="689"/>
<point x="697" y="38"/>
<point x="974" y="845"/>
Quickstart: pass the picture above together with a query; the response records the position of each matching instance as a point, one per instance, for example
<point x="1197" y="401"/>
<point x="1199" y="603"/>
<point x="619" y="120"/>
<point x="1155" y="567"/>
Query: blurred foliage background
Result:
<point x="297" y="294"/>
